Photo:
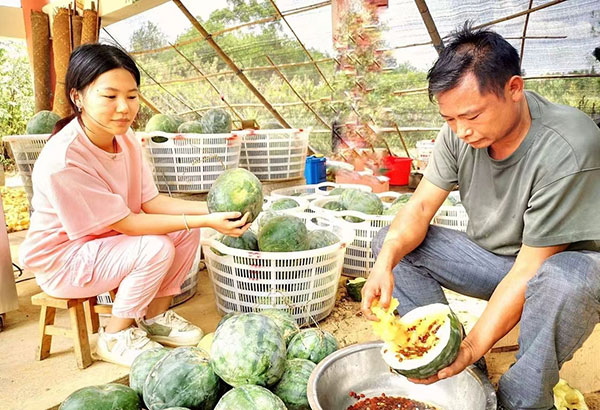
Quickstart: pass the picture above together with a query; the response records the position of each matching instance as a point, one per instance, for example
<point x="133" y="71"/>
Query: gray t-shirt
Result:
<point x="545" y="193"/>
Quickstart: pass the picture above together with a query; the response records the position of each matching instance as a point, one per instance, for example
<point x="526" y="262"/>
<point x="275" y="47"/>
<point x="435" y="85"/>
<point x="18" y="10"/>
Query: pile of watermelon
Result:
<point x="215" y="121"/>
<point x="350" y="199"/>
<point x="253" y="361"/>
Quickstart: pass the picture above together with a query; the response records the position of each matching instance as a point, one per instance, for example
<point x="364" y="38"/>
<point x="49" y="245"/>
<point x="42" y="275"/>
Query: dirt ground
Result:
<point x="348" y="325"/>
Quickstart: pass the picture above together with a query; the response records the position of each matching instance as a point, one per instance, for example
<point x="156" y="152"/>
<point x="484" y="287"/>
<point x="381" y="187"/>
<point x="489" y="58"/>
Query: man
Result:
<point x="528" y="172"/>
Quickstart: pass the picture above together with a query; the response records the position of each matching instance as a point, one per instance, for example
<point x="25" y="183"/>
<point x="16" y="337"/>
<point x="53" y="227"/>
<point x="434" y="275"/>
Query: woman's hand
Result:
<point x="378" y="286"/>
<point x="229" y="223"/>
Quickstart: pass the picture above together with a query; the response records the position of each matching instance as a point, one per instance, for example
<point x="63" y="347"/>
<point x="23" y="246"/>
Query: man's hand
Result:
<point x="378" y="286"/>
<point x="228" y="223"/>
<point x="466" y="357"/>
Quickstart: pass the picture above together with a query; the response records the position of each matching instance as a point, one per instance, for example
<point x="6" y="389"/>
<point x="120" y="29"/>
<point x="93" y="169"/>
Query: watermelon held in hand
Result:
<point x="161" y="122"/>
<point x="110" y="396"/>
<point x="250" y="397"/>
<point x="183" y="378"/>
<point x="291" y="389"/>
<point x="312" y="344"/>
<point x="284" y="203"/>
<point x="248" y="349"/>
<point x="283" y="233"/>
<point x="431" y="346"/>
<point x="320" y="238"/>
<point x="42" y="123"/>
<point x="142" y="365"/>
<point x="236" y="190"/>
<point x="286" y="322"/>
<point x="190" y="127"/>
<point x="216" y="121"/>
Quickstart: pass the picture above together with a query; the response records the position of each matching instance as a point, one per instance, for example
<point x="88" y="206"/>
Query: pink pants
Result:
<point x="142" y="267"/>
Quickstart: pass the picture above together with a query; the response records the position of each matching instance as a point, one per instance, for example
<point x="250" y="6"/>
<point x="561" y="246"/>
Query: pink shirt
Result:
<point x="78" y="191"/>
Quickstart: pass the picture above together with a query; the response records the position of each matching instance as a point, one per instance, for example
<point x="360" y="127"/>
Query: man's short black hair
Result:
<point x="484" y="53"/>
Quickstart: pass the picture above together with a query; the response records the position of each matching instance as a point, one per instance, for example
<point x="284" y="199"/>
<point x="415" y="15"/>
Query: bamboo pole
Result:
<point x="412" y="164"/>
<point x="298" y="95"/>
<point x="230" y="63"/>
<point x="226" y="30"/>
<point x="430" y="24"/>
<point x="301" y="44"/>
<point x="214" y="87"/>
<point x="390" y="129"/>
<point x="250" y="69"/>
<point x="148" y="103"/>
<point x="519" y="14"/>
<point x="411" y="91"/>
<point x="425" y="43"/>
<point x="258" y="105"/>
<point x="524" y="34"/>
<point x="148" y="74"/>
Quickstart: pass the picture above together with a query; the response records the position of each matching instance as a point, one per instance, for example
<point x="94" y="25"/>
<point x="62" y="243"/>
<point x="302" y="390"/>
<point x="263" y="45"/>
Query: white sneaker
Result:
<point x="124" y="346"/>
<point x="170" y="329"/>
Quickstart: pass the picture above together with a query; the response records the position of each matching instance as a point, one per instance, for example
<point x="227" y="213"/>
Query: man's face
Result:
<point x="478" y="119"/>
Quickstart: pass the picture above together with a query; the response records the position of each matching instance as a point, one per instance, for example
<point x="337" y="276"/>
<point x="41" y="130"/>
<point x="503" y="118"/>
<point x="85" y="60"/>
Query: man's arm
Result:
<point x="502" y="312"/>
<point x="406" y="232"/>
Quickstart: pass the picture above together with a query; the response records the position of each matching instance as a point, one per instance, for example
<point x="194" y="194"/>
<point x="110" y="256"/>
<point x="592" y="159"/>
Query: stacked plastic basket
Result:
<point x="452" y="216"/>
<point x="274" y="155"/>
<point x="304" y="283"/>
<point x="189" y="163"/>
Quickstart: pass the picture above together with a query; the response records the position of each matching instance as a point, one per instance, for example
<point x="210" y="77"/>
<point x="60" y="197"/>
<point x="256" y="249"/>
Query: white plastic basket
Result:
<point x="274" y="155"/>
<point x="424" y="151"/>
<point x="452" y="216"/>
<point x="189" y="162"/>
<point x="188" y="287"/>
<point x="26" y="149"/>
<point x="304" y="283"/>
<point x="359" y="258"/>
<point x="314" y="191"/>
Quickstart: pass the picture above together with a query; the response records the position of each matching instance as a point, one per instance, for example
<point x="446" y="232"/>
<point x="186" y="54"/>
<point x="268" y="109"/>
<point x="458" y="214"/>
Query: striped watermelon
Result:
<point x="142" y="365"/>
<point x="285" y="321"/>
<point x="291" y="389"/>
<point x="312" y="344"/>
<point x="104" y="397"/>
<point x="248" y="349"/>
<point x="183" y="378"/>
<point x="250" y="397"/>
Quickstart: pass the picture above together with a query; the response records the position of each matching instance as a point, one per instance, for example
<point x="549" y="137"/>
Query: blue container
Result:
<point x="314" y="171"/>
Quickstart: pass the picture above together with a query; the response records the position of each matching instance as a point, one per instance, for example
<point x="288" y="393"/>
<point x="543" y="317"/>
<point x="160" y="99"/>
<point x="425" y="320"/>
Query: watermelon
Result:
<point x="284" y="203"/>
<point x="177" y="119"/>
<point x="273" y="125"/>
<point x="176" y="408"/>
<point x="110" y="396"/>
<point x="250" y="397"/>
<point x="236" y="190"/>
<point x="285" y="321"/>
<point x="354" y="288"/>
<point x="440" y="347"/>
<point x="336" y="191"/>
<point x="265" y="217"/>
<point x="216" y="121"/>
<point x="248" y="349"/>
<point x="291" y="389"/>
<point x="334" y="206"/>
<point x="283" y="233"/>
<point x="190" y="127"/>
<point x="247" y="242"/>
<point x="142" y="365"/>
<point x="161" y="122"/>
<point x="226" y="317"/>
<point x="183" y="378"/>
<point x="361" y="201"/>
<point x="320" y="238"/>
<point x="42" y="123"/>
<point x="397" y="204"/>
<point x="312" y="344"/>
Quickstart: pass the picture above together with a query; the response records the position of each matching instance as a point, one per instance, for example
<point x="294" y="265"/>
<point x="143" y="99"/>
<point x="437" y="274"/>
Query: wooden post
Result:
<point x="230" y="63"/>
<point x="430" y="24"/>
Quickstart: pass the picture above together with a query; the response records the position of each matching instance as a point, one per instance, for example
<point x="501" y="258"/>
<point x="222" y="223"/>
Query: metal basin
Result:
<point x="360" y="368"/>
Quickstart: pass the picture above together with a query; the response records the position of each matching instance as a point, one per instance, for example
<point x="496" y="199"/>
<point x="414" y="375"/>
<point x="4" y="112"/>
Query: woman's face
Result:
<point x="110" y="103"/>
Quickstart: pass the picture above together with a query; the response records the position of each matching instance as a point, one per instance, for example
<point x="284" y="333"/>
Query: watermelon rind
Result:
<point x="142" y="365"/>
<point x="250" y="397"/>
<point x="440" y="356"/>
<point x="111" y="396"/>
<point x="291" y="389"/>
<point x="283" y="233"/>
<point x="285" y="321"/>
<point x="312" y="344"/>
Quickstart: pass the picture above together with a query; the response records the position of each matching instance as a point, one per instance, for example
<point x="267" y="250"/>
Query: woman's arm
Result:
<point x="163" y="204"/>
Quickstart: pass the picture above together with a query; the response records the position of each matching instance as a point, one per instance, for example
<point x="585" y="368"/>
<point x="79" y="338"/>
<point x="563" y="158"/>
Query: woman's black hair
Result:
<point x="484" y="53"/>
<point x="88" y="62"/>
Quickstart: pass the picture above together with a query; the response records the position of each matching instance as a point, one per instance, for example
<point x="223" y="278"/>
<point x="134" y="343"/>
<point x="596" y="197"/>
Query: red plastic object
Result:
<point x="398" y="169"/>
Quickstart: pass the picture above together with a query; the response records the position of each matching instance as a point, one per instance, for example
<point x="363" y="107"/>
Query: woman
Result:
<point x="99" y="222"/>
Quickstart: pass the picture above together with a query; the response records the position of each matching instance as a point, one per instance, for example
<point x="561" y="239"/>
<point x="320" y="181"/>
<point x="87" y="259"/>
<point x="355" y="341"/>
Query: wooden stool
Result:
<point x="83" y="313"/>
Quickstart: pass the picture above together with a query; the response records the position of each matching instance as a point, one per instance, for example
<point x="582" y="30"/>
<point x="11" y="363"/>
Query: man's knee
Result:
<point x="377" y="242"/>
